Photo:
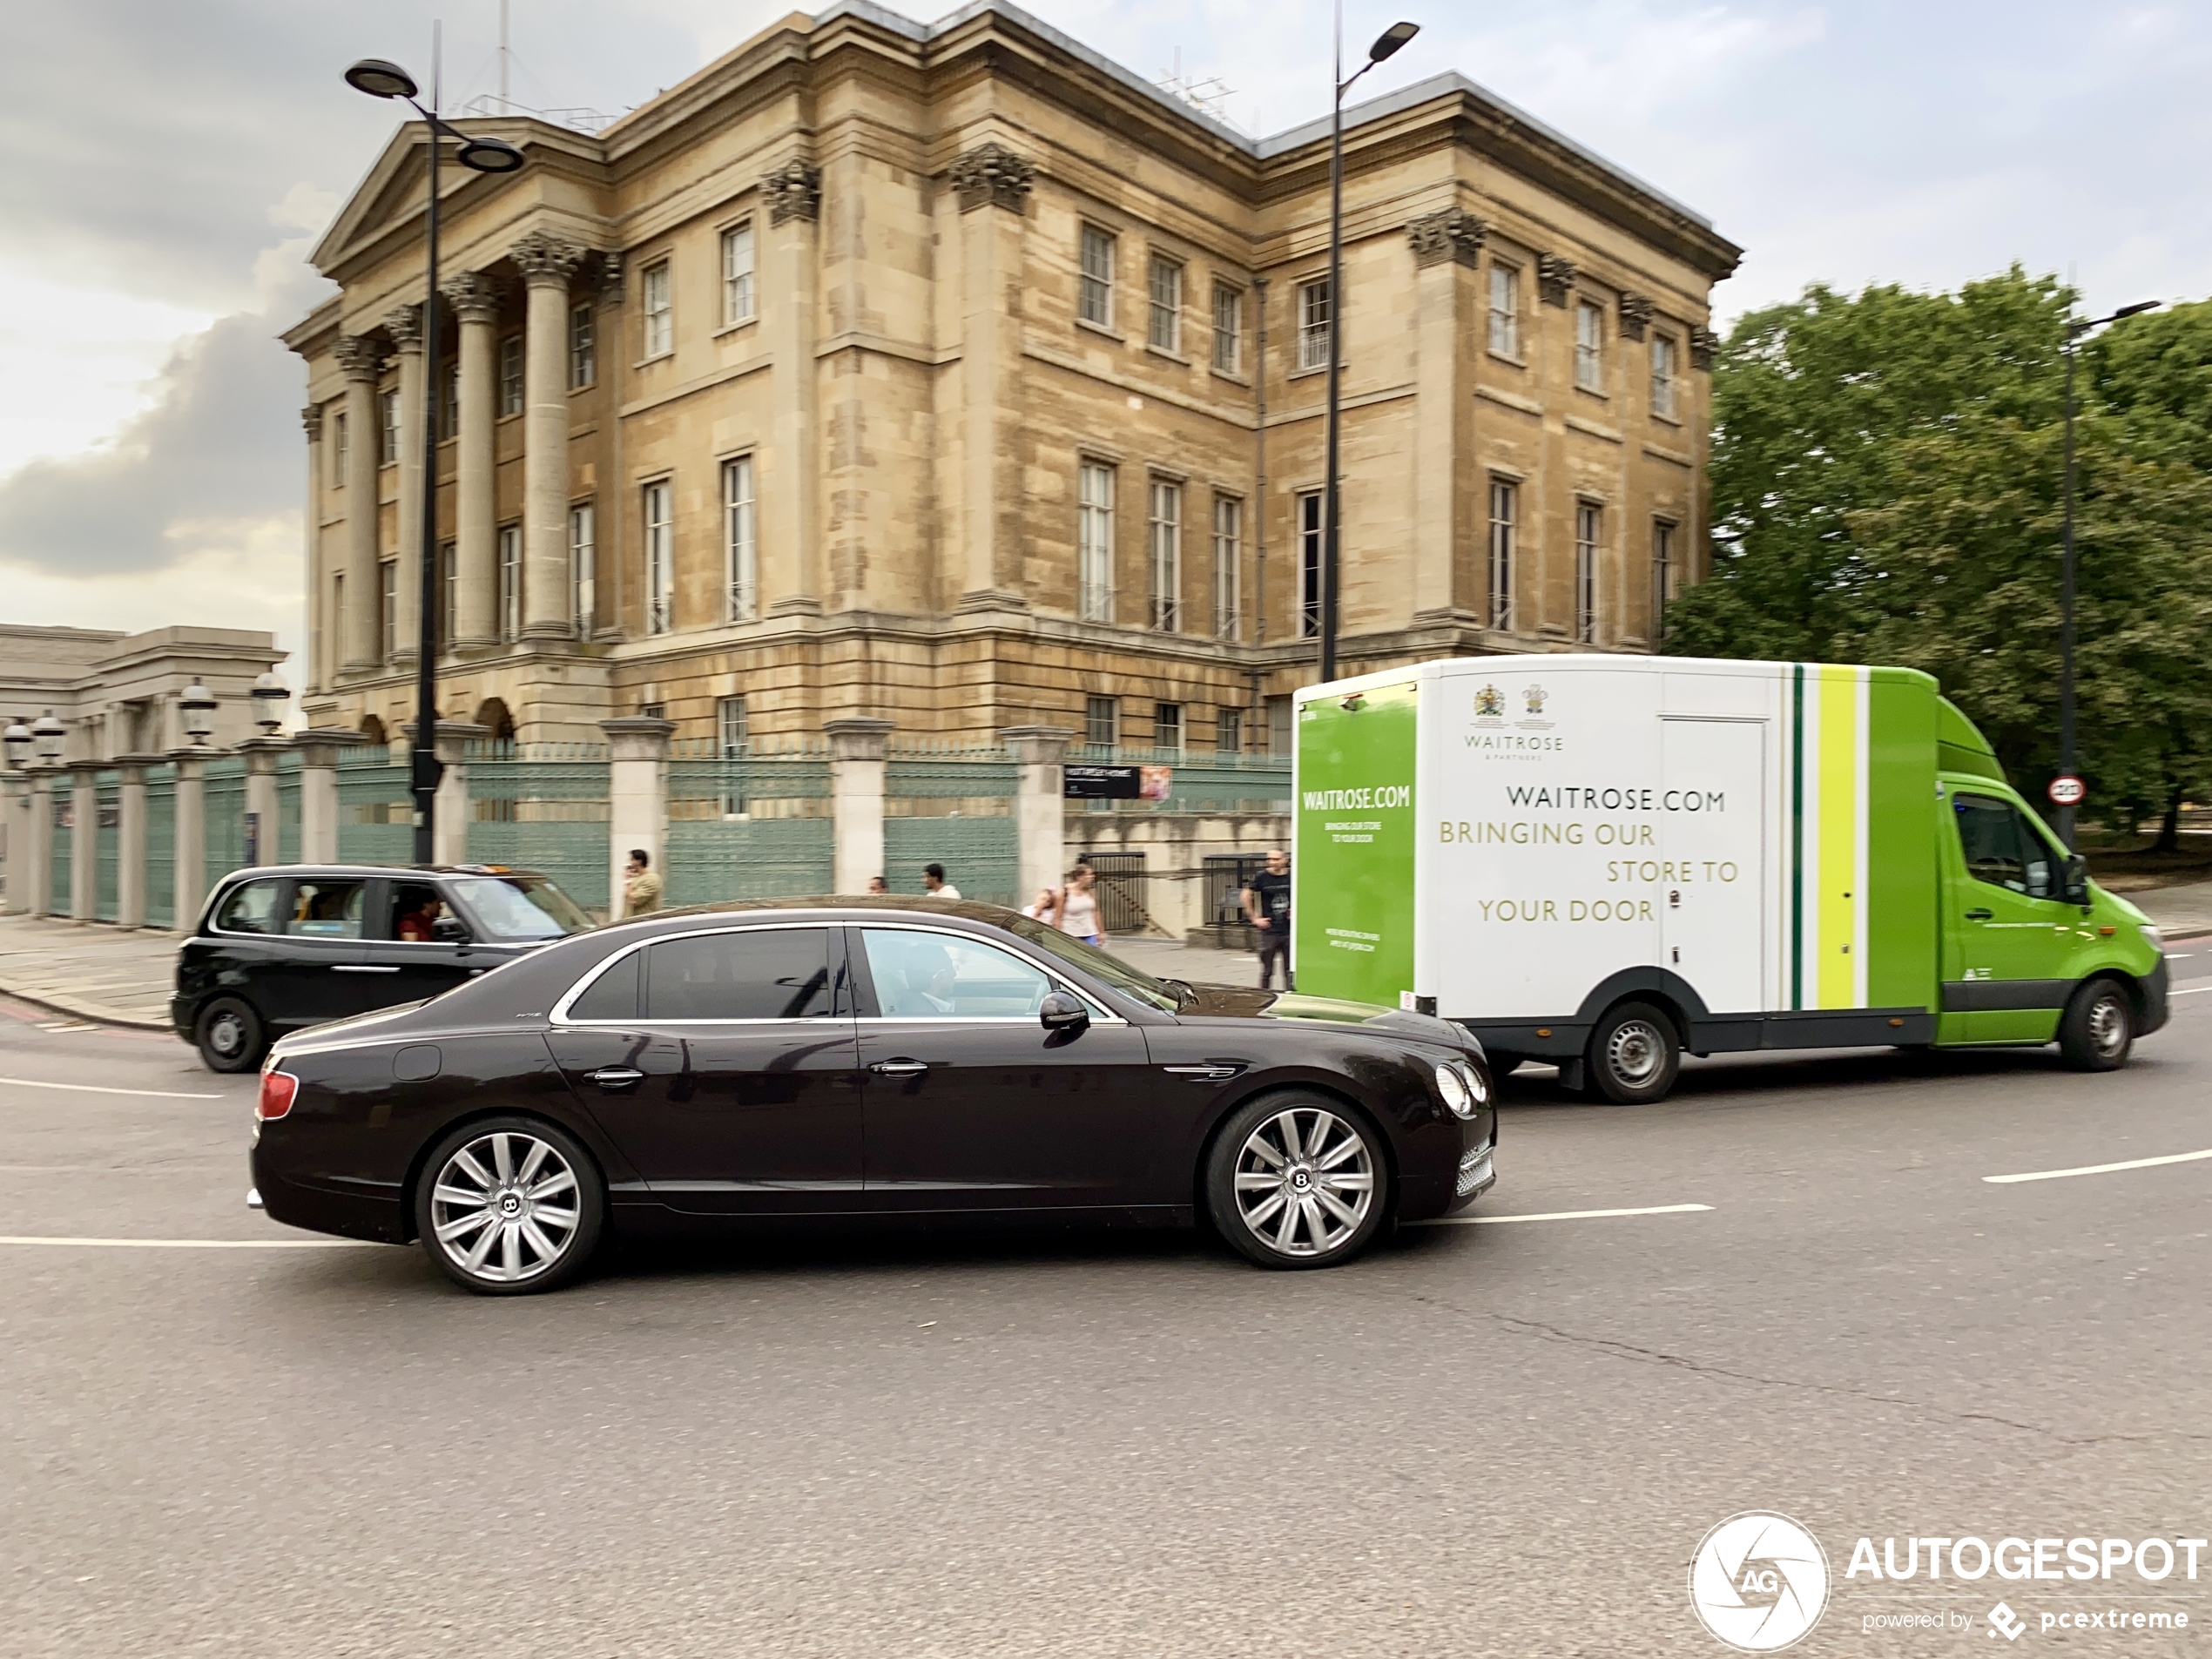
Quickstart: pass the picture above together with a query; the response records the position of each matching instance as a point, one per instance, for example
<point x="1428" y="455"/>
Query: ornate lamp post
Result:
<point x="270" y="695"/>
<point x="380" y="78"/>
<point x="50" y="735"/>
<point x="17" y="739"/>
<point x="198" y="706"/>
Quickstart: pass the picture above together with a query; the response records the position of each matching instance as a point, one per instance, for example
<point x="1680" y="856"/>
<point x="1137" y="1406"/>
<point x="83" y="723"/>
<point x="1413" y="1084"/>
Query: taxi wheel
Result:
<point x="2098" y="1029"/>
<point x="230" y="1035"/>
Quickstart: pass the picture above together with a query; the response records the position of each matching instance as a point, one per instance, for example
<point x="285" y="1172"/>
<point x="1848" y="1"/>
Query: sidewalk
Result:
<point x="111" y="975"/>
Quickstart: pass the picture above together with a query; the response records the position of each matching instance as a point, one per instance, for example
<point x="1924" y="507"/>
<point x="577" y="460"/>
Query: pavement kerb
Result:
<point x="78" y="1009"/>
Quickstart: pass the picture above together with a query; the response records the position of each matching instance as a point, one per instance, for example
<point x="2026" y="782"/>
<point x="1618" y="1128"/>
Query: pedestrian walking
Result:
<point x="1267" y="907"/>
<point x="877" y="884"/>
<point x="640" y="887"/>
<point x="1079" y="907"/>
<point x="1044" y="907"/>
<point x="933" y="882"/>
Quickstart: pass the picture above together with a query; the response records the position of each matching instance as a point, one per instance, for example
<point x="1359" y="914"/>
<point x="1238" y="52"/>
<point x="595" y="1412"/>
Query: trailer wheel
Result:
<point x="1634" y="1055"/>
<point x="2098" y="1027"/>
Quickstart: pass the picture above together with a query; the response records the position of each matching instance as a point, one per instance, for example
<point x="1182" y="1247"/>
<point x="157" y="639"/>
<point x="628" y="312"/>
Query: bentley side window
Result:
<point x="755" y="974"/>
<point x="934" y="976"/>
<point x="613" y="995"/>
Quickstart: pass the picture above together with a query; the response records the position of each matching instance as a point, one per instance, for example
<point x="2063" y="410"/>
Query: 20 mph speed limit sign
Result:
<point x="2068" y="790"/>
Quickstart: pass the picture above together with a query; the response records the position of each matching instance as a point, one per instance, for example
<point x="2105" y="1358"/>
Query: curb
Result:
<point x="77" y="1008"/>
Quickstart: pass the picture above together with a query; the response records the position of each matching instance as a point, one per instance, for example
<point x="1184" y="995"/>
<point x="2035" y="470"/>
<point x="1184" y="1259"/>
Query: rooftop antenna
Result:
<point x="502" y="56"/>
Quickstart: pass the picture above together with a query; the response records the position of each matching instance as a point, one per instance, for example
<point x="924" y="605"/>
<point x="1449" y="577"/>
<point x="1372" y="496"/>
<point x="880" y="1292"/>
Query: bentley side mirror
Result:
<point x="449" y="930"/>
<point x="1061" y="1012"/>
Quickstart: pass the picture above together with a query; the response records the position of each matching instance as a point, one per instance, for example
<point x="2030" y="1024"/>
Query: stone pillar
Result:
<point x="857" y="749"/>
<point x="546" y="262"/>
<point x="790" y="557"/>
<point x="130" y="839"/>
<point x="262" y="828"/>
<point x="190" y="875"/>
<point x="361" y="616"/>
<point x="40" y="874"/>
<point x="18" y="805"/>
<point x="637" y="797"/>
<point x="475" y="510"/>
<point x="318" y="749"/>
<point x="450" y="821"/>
<point x="1448" y="249"/>
<point x="405" y="327"/>
<point x="318" y="642"/>
<point x="1040" y="814"/>
<point x="993" y="185"/>
<point x="83" y="839"/>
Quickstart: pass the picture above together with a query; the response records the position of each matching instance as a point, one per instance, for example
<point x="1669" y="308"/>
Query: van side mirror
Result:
<point x="1061" y="1012"/>
<point x="2077" y="879"/>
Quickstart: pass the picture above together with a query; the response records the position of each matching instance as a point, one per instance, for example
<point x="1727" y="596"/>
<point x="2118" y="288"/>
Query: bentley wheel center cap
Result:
<point x="1301" y="1179"/>
<point x="510" y="1204"/>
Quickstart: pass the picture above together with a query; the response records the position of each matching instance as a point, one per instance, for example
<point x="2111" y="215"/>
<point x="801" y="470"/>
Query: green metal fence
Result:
<point x="107" y="846"/>
<point x="952" y="805"/>
<point x="542" y="806"/>
<point x="223" y="830"/>
<point x="375" y="814"/>
<point x="161" y="847"/>
<point x="286" y="840"/>
<point x="755" y="825"/>
<point x="62" y="850"/>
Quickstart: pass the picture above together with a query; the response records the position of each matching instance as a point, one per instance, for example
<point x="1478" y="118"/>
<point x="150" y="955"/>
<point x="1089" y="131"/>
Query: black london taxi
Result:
<point x="279" y="949"/>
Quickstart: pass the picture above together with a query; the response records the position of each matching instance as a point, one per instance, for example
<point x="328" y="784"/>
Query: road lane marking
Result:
<point x="197" y="1244"/>
<point x="96" y="1089"/>
<point x="2189" y="990"/>
<point x="2098" y="1169"/>
<point x="1563" y="1214"/>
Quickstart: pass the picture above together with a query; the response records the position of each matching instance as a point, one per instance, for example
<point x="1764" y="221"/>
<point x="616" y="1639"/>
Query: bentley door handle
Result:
<point x="615" y="1077"/>
<point x="899" y="1067"/>
<point x="1977" y="916"/>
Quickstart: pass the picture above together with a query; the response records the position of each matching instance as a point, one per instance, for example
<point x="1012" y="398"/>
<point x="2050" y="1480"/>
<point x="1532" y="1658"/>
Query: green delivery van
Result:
<point x="1601" y="862"/>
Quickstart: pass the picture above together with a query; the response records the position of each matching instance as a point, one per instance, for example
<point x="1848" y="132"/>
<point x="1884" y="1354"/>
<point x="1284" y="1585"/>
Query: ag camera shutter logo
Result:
<point x="1759" y="1582"/>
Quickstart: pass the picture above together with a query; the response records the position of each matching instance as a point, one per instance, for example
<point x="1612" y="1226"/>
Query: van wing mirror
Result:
<point x="2077" y="879"/>
<point x="1061" y="1012"/>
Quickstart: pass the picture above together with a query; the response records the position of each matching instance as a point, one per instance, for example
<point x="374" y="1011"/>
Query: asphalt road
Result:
<point x="1483" y="1440"/>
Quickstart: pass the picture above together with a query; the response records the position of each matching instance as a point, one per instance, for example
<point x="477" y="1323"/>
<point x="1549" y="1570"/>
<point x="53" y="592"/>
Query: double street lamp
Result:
<point x="379" y="78"/>
<point x="2066" y="788"/>
<point x="1387" y="45"/>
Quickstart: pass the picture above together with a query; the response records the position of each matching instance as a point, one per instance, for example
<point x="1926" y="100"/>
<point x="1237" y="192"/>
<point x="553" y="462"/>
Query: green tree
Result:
<point x="1886" y="488"/>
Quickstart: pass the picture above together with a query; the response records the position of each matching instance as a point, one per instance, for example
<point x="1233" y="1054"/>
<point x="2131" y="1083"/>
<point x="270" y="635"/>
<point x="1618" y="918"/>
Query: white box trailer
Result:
<point x="1599" y="860"/>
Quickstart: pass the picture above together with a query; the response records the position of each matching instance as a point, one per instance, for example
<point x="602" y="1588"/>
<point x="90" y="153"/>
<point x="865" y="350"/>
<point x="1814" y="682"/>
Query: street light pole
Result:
<point x="379" y="78"/>
<point x="1332" y="508"/>
<point x="2070" y="759"/>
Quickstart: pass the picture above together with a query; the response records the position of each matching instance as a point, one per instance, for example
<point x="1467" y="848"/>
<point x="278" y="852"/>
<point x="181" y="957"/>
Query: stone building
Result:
<point x="954" y="374"/>
<point x="118" y="693"/>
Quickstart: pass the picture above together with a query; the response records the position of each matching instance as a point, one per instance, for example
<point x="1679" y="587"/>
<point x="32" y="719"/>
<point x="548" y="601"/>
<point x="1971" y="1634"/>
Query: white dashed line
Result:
<point x="97" y="1089"/>
<point x="2189" y="990"/>
<point x="2098" y="1169"/>
<point x="1564" y="1215"/>
<point x="198" y="1243"/>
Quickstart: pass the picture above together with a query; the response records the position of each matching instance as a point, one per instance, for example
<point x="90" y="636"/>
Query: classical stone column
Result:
<point x="857" y="751"/>
<point x="450" y="821"/>
<point x="130" y="839"/>
<point x="262" y="827"/>
<point x="475" y="511"/>
<point x="318" y="644"/>
<point x="637" y="797"/>
<point x="1039" y="814"/>
<point x="39" y="877"/>
<point x="1448" y="249"/>
<point x="19" y="837"/>
<point x="360" y="358"/>
<point x="83" y="839"/>
<point x="189" y="875"/>
<point x="318" y="749"/>
<point x="993" y="185"/>
<point x="790" y="552"/>
<point x="546" y="263"/>
<point x="405" y="327"/>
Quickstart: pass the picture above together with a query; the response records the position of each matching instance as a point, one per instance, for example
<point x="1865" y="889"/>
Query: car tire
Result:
<point x="538" y="1201"/>
<point x="2097" y="1031"/>
<point x="1634" y="1055"/>
<point x="230" y="1035"/>
<point x="1325" y="1190"/>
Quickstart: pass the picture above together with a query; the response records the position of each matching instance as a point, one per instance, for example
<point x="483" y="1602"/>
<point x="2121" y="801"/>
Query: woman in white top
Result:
<point x="1079" y="907"/>
<point x="1042" y="908"/>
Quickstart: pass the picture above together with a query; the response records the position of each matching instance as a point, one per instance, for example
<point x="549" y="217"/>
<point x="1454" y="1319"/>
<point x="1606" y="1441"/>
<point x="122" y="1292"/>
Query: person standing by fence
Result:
<point x="933" y="882"/>
<point x="641" y="887"/>
<point x="1267" y="907"/>
<point x="1078" y="913"/>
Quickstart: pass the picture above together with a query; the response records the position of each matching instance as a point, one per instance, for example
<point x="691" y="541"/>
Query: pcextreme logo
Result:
<point x="1759" y="1582"/>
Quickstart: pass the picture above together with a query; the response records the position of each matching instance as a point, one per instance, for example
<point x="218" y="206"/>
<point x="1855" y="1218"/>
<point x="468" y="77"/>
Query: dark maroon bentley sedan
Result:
<point x="830" y="1060"/>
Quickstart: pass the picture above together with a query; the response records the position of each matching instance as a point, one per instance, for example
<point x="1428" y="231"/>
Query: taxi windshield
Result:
<point x="518" y="906"/>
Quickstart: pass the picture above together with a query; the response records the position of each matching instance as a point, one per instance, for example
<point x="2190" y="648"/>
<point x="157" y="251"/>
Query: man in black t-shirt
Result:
<point x="1267" y="907"/>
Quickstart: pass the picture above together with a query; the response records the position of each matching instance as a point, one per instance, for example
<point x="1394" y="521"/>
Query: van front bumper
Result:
<point x="2150" y="996"/>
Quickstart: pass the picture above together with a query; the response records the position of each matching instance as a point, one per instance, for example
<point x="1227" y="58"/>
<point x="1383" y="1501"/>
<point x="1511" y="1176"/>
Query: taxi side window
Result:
<point x="252" y="907"/>
<point x="327" y="909"/>
<point x="415" y="909"/>
<point x="2002" y="849"/>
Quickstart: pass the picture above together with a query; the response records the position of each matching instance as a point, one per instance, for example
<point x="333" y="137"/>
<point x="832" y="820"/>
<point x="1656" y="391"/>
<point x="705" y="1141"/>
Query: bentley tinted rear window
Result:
<point x="613" y="995"/>
<point x="760" y="973"/>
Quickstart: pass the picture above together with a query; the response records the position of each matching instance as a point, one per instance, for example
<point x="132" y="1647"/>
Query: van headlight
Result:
<point x="2150" y="931"/>
<point x="1453" y="1087"/>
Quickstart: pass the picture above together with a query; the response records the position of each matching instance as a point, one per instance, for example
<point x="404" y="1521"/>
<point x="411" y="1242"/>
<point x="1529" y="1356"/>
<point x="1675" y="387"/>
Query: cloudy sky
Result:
<point x="165" y="164"/>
